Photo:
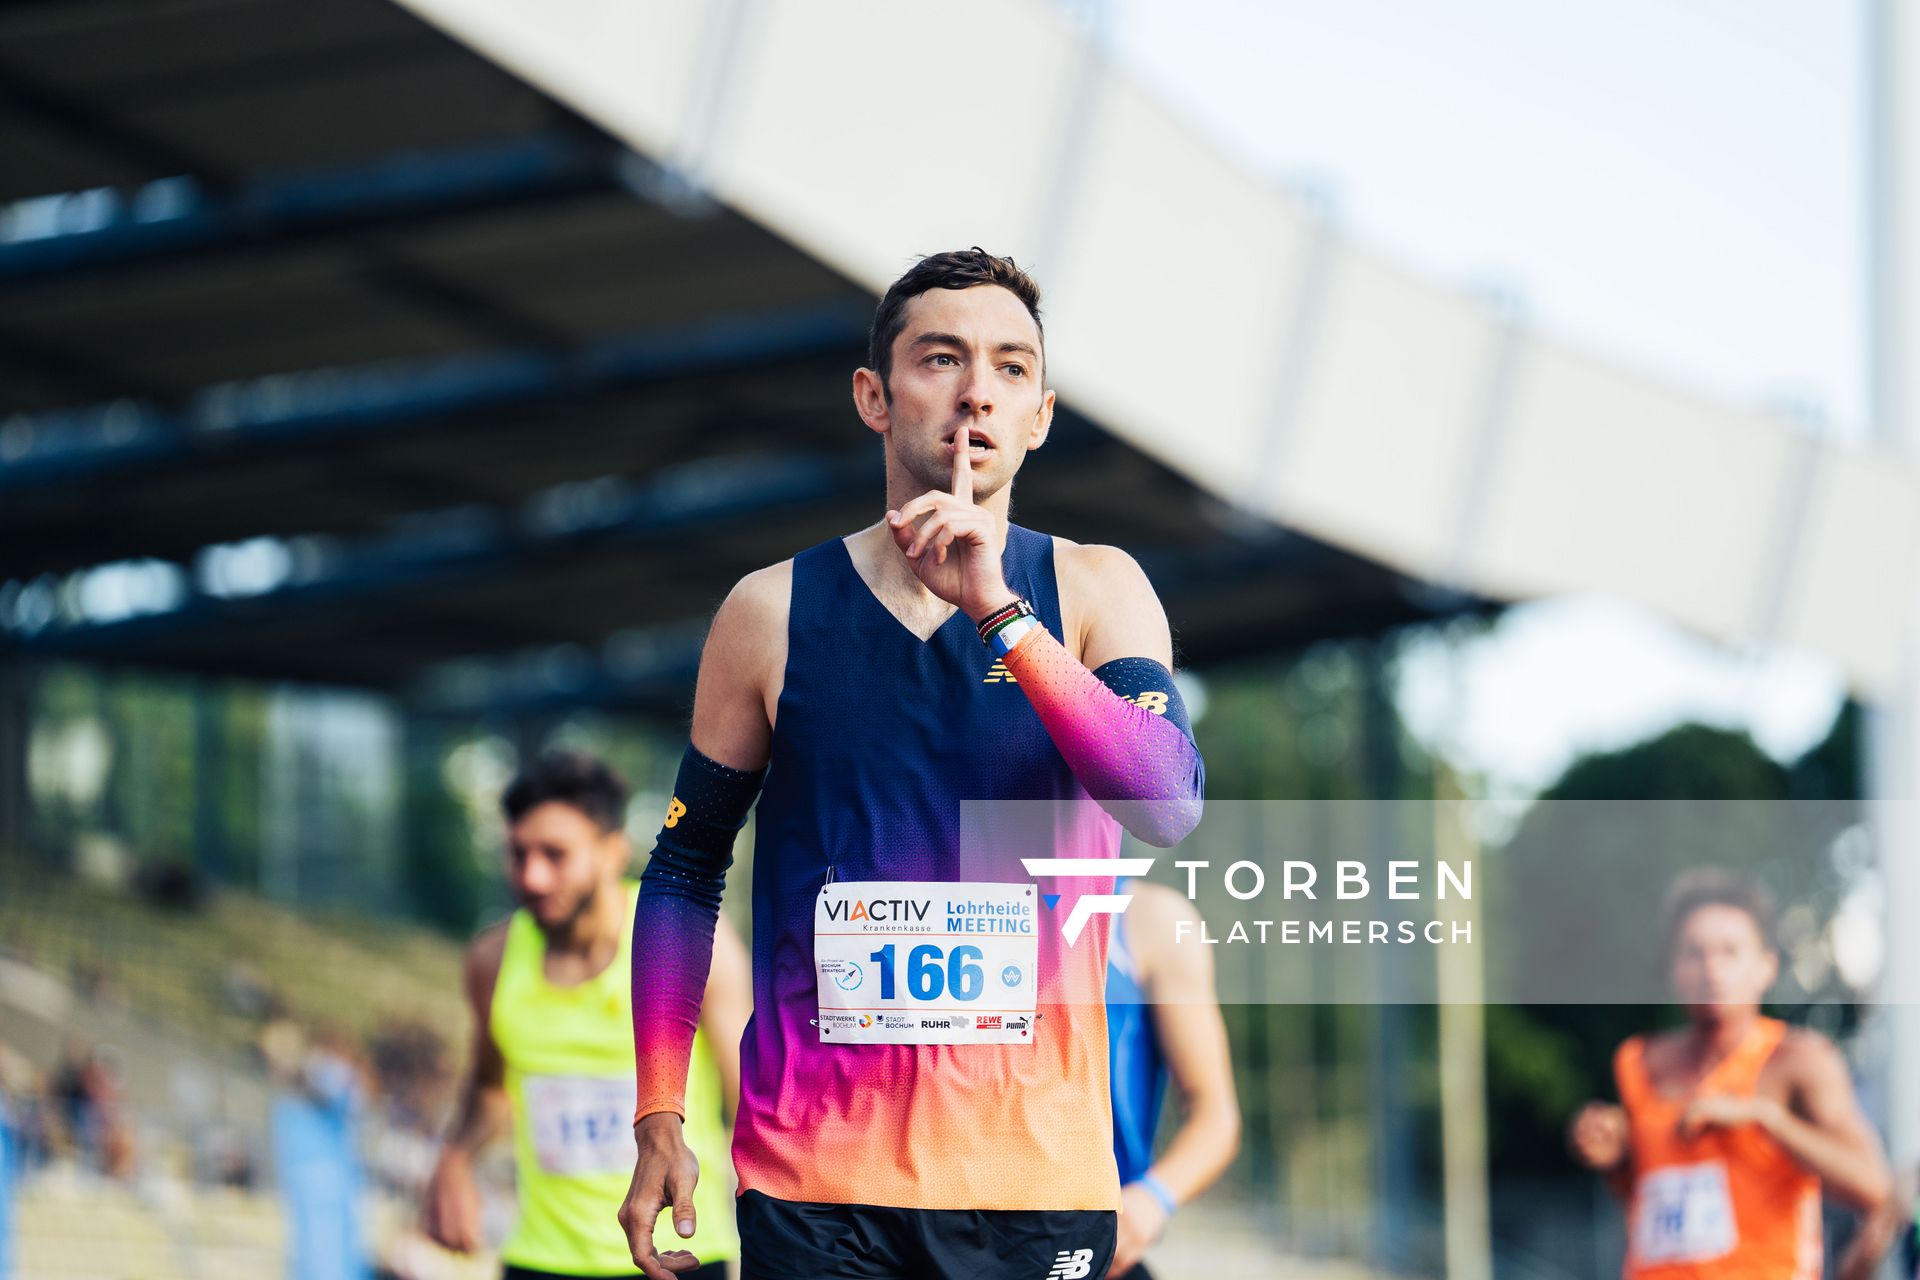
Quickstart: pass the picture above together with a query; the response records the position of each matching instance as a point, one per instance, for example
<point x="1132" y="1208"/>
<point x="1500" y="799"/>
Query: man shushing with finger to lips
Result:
<point x="862" y="690"/>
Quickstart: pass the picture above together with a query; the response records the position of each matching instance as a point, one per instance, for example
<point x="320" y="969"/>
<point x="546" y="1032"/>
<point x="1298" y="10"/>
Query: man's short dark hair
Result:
<point x="572" y="778"/>
<point x="961" y="269"/>
<point x="1714" y="887"/>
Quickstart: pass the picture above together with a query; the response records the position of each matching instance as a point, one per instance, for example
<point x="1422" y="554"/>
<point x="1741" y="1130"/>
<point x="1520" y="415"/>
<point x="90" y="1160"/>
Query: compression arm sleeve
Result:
<point x="673" y="925"/>
<point x="1123" y="732"/>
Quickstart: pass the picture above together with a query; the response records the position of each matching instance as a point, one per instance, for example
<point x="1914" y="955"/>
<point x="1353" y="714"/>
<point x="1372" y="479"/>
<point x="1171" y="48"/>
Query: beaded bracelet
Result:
<point x="1005" y="613"/>
<point x="1006" y="626"/>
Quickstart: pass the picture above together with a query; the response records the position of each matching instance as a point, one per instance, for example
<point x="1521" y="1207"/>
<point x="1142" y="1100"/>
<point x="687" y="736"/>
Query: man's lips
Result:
<point x="977" y="442"/>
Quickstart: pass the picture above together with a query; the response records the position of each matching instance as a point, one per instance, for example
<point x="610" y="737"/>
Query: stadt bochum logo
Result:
<point x="1088" y="905"/>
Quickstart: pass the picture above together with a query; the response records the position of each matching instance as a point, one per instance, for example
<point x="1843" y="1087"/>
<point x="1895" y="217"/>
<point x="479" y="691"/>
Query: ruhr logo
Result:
<point x="1087" y="905"/>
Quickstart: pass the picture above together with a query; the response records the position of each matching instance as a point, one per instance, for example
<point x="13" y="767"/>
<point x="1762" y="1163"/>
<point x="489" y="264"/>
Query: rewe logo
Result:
<point x="1071" y="1266"/>
<point x="1088" y="905"/>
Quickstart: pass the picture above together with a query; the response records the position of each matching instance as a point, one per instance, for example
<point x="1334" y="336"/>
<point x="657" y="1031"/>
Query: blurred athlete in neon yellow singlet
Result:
<point x="553" y="1043"/>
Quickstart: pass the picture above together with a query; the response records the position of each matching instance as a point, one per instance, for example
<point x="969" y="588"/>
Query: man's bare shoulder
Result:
<point x="1104" y="575"/>
<point x="1095" y="564"/>
<point x="1108" y="605"/>
<point x="752" y="620"/>
<point x="741" y="667"/>
<point x="1806" y="1056"/>
<point x="762" y="597"/>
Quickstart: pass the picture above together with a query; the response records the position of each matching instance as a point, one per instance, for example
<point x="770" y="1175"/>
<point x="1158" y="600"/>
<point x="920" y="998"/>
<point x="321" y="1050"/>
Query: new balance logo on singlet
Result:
<point x="1074" y="1265"/>
<point x="998" y="674"/>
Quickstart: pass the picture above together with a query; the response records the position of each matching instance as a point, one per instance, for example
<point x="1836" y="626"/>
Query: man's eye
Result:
<point x="941" y="356"/>
<point x="1017" y="370"/>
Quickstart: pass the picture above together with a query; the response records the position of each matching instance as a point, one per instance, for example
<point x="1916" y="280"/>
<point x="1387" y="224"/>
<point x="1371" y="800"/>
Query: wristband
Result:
<point x="1158" y="1190"/>
<point x="1007" y="626"/>
<point x="1013" y="633"/>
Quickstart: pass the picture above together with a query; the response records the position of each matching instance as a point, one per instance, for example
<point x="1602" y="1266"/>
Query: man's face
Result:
<point x="1720" y="962"/>
<point x="966" y="368"/>
<point x="558" y="860"/>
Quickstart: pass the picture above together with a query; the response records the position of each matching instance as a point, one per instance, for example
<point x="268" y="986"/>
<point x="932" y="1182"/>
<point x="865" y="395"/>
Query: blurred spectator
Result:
<point x="87" y="1089"/>
<point x="315" y="1119"/>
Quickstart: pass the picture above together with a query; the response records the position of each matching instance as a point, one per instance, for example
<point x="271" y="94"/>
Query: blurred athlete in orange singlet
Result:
<point x="1731" y="1126"/>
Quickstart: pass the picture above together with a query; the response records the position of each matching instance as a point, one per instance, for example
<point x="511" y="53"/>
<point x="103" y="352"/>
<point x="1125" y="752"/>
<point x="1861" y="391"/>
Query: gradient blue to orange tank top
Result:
<point x="878" y="738"/>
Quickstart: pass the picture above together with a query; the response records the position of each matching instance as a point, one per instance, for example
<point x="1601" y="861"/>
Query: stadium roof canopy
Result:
<point x="331" y="351"/>
<point x="1420" y="425"/>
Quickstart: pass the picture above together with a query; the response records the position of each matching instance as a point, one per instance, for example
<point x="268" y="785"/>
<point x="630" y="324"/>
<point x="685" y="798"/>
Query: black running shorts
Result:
<point x="792" y="1240"/>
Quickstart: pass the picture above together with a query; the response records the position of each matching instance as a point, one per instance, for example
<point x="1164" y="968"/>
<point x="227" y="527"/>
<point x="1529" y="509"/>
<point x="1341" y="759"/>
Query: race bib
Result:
<point x="1684" y="1214"/>
<point x="926" y="962"/>
<point x="581" y="1124"/>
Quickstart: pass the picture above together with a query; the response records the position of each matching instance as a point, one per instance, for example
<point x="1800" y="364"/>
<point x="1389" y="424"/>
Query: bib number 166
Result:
<point x="932" y="973"/>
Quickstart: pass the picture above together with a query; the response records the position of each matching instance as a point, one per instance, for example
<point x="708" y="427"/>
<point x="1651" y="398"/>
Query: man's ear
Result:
<point x="1042" y="423"/>
<point x="619" y="849"/>
<point x="870" y="401"/>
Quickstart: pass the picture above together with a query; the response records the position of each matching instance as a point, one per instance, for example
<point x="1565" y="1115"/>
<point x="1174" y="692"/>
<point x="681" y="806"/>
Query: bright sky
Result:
<point x="1676" y="186"/>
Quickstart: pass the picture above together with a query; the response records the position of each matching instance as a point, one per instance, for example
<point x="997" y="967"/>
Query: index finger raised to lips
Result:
<point x="963" y="465"/>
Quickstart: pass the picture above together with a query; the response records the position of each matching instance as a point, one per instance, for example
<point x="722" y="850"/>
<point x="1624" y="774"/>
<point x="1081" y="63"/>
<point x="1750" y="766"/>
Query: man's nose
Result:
<point x="977" y="395"/>
<point x="535" y="876"/>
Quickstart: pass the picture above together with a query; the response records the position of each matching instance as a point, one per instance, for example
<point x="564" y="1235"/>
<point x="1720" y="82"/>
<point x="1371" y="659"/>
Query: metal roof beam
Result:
<point x="443" y="547"/>
<point x="186" y="216"/>
<point x="78" y="446"/>
<point x="435" y="549"/>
